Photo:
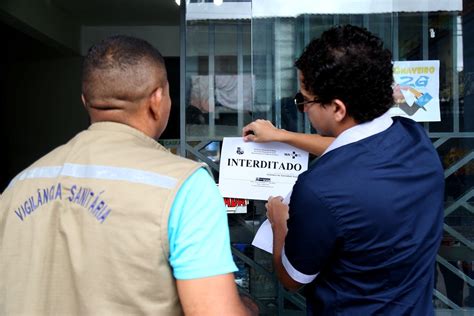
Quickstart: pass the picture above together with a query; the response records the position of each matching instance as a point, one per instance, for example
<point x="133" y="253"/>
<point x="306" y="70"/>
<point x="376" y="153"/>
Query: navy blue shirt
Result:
<point x="367" y="219"/>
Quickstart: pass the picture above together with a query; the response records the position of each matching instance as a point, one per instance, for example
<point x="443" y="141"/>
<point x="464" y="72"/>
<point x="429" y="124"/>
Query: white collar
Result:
<point x="361" y="131"/>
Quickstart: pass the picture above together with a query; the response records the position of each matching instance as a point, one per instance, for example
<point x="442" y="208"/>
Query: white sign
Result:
<point x="257" y="171"/>
<point x="416" y="90"/>
<point x="264" y="237"/>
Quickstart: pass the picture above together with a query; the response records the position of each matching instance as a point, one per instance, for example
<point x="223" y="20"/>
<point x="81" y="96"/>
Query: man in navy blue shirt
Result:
<point x="364" y="223"/>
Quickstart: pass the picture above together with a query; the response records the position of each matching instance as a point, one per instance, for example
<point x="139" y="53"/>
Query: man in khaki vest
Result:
<point x="111" y="223"/>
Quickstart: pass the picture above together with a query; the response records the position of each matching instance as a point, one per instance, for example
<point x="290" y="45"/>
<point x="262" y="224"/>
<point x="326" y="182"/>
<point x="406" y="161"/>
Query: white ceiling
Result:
<point x="121" y="12"/>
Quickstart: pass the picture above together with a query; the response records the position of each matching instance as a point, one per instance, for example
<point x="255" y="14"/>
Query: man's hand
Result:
<point x="277" y="213"/>
<point x="261" y="131"/>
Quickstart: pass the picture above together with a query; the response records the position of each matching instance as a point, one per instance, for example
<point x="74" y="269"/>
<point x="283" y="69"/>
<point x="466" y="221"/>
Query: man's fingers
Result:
<point x="247" y="129"/>
<point x="249" y="138"/>
<point x="278" y="198"/>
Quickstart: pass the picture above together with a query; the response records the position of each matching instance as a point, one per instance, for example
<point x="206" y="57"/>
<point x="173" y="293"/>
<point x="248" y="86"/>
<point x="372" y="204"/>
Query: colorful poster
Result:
<point x="236" y="206"/>
<point x="416" y="90"/>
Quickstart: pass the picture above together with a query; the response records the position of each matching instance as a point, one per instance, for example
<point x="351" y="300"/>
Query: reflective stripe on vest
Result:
<point x="98" y="172"/>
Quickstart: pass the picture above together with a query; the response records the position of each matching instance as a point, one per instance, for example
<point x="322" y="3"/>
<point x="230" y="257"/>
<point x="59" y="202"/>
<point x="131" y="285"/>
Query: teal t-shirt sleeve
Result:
<point x="198" y="231"/>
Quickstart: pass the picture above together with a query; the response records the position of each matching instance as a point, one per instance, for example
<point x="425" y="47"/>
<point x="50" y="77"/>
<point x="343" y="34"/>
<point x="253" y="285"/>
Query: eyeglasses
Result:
<point x="300" y="101"/>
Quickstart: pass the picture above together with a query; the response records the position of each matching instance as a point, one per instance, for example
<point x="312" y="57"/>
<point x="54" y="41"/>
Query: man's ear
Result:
<point x="155" y="103"/>
<point x="83" y="98"/>
<point x="340" y="110"/>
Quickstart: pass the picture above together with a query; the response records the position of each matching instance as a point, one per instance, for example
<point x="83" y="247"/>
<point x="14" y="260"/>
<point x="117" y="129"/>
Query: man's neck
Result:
<point x="345" y="124"/>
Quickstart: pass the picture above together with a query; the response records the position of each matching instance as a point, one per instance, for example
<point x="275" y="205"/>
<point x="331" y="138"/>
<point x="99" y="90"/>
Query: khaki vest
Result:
<point x="84" y="230"/>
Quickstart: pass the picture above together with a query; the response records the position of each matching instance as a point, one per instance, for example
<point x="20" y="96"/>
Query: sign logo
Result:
<point x="293" y="155"/>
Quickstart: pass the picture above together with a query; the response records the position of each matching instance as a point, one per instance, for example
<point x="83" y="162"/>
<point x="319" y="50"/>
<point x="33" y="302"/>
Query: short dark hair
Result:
<point x="350" y="64"/>
<point x="117" y="66"/>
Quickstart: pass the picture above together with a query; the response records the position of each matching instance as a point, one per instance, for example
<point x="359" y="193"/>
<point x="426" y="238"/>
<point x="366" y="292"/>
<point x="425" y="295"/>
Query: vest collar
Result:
<point x="123" y="128"/>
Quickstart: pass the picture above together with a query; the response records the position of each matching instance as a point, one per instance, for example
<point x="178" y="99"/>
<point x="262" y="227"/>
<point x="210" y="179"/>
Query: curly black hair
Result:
<point x="350" y="64"/>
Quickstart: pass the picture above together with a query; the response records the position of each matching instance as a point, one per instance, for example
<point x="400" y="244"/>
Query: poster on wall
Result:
<point x="416" y="90"/>
<point x="236" y="206"/>
<point x="256" y="171"/>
